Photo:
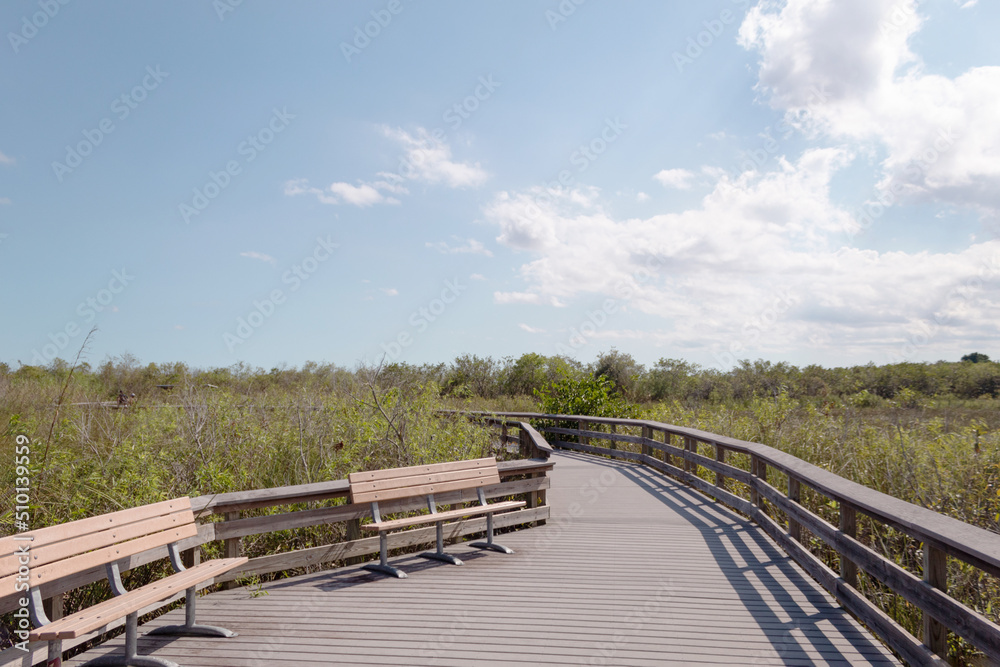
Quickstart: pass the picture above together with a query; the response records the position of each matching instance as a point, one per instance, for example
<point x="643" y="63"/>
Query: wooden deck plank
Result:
<point x="632" y="569"/>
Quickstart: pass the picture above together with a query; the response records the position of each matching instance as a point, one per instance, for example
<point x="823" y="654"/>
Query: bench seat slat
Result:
<point x="404" y="481"/>
<point x="49" y="553"/>
<point x="361" y="496"/>
<point x="106" y="612"/>
<point x="444" y="516"/>
<point x="66" y="531"/>
<point x="110" y="554"/>
<point x="389" y="473"/>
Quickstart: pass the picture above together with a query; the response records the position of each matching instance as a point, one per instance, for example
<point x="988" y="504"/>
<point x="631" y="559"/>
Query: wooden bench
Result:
<point x="377" y="486"/>
<point x="46" y="555"/>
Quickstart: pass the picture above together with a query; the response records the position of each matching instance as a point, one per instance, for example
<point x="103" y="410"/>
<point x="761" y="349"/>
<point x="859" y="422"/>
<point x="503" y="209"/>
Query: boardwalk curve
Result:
<point x="632" y="569"/>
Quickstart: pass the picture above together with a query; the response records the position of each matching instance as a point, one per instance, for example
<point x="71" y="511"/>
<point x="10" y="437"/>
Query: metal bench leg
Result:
<point x="130" y="659"/>
<point x="55" y="653"/>
<point x="191" y="628"/>
<point x="489" y="543"/>
<point x="383" y="566"/>
<point x="440" y="554"/>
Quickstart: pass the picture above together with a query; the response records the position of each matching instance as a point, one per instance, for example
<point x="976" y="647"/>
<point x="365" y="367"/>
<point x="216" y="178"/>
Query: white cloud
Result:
<point x="477" y="276"/>
<point x="258" y="256"/>
<point x="641" y="197"/>
<point x="390" y="291"/>
<point x="4" y="200"/>
<point x="360" y="195"/>
<point x="675" y="178"/>
<point x="471" y="246"/>
<point x="845" y="70"/>
<point x="428" y="159"/>
<point x="516" y="297"/>
<point x="301" y="186"/>
<point x="391" y="183"/>
<point x="530" y="329"/>
<point x="759" y="244"/>
<point x="718" y="136"/>
<point x="5" y="159"/>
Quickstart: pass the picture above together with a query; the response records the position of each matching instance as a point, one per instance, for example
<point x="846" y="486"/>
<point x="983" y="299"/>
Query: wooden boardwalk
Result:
<point x="633" y="569"/>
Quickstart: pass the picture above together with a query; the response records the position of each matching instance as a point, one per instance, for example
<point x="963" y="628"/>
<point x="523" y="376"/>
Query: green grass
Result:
<point x="240" y="429"/>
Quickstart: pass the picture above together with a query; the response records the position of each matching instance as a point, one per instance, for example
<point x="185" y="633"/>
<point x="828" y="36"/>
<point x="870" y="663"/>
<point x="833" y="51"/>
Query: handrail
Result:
<point x="533" y="444"/>
<point x="524" y="477"/>
<point x="942" y="536"/>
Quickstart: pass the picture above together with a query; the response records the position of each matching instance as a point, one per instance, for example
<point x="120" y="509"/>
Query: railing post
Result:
<point x="668" y="440"/>
<point x="614" y="429"/>
<point x="689" y="466"/>
<point x="191" y="557"/>
<point x="935" y="574"/>
<point x="582" y="425"/>
<point x="53" y="606"/>
<point x="795" y="495"/>
<point x="646" y="433"/>
<point x="755" y="471"/>
<point x="525" y="444"/>
<point x="232" y="548"/>
<point x="536" y="498"/>
<point x="720" y="456"/>
<point x="849" y="527"/>
<point x="354" y="533"/>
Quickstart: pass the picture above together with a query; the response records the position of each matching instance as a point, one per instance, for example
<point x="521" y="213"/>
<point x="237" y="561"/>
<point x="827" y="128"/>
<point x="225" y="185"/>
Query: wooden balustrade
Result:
<point x="526" y="478"/>
<point x="942" y="537"/>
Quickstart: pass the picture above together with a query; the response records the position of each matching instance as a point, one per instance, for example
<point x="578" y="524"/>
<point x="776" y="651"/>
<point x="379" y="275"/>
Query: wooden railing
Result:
<point x="675" y="451"/>
<point x="221" y="518"/>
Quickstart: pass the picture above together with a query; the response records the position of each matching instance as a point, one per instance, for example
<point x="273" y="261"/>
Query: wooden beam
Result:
<point x="720" y="456"/>
<point x="935" y="574"/>
<point x="849" y="527"/>
<point x="794" y="495"/>
<point x="231" y="546"/>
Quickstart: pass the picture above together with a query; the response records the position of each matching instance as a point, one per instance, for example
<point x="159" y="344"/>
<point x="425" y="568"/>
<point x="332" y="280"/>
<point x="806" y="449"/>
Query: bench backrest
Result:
<point x="63" y="550"/>
<point x="393" y="483"/>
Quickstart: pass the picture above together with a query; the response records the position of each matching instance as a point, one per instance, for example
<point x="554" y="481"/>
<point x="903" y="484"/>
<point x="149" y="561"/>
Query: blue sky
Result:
<point x="803" y="181"/>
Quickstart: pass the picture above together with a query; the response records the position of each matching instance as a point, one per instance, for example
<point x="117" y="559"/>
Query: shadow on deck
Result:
<point x="633" y="569"/>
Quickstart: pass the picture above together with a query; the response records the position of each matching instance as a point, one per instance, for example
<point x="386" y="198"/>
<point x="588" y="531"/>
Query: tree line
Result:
<point x="532" y="375"/>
